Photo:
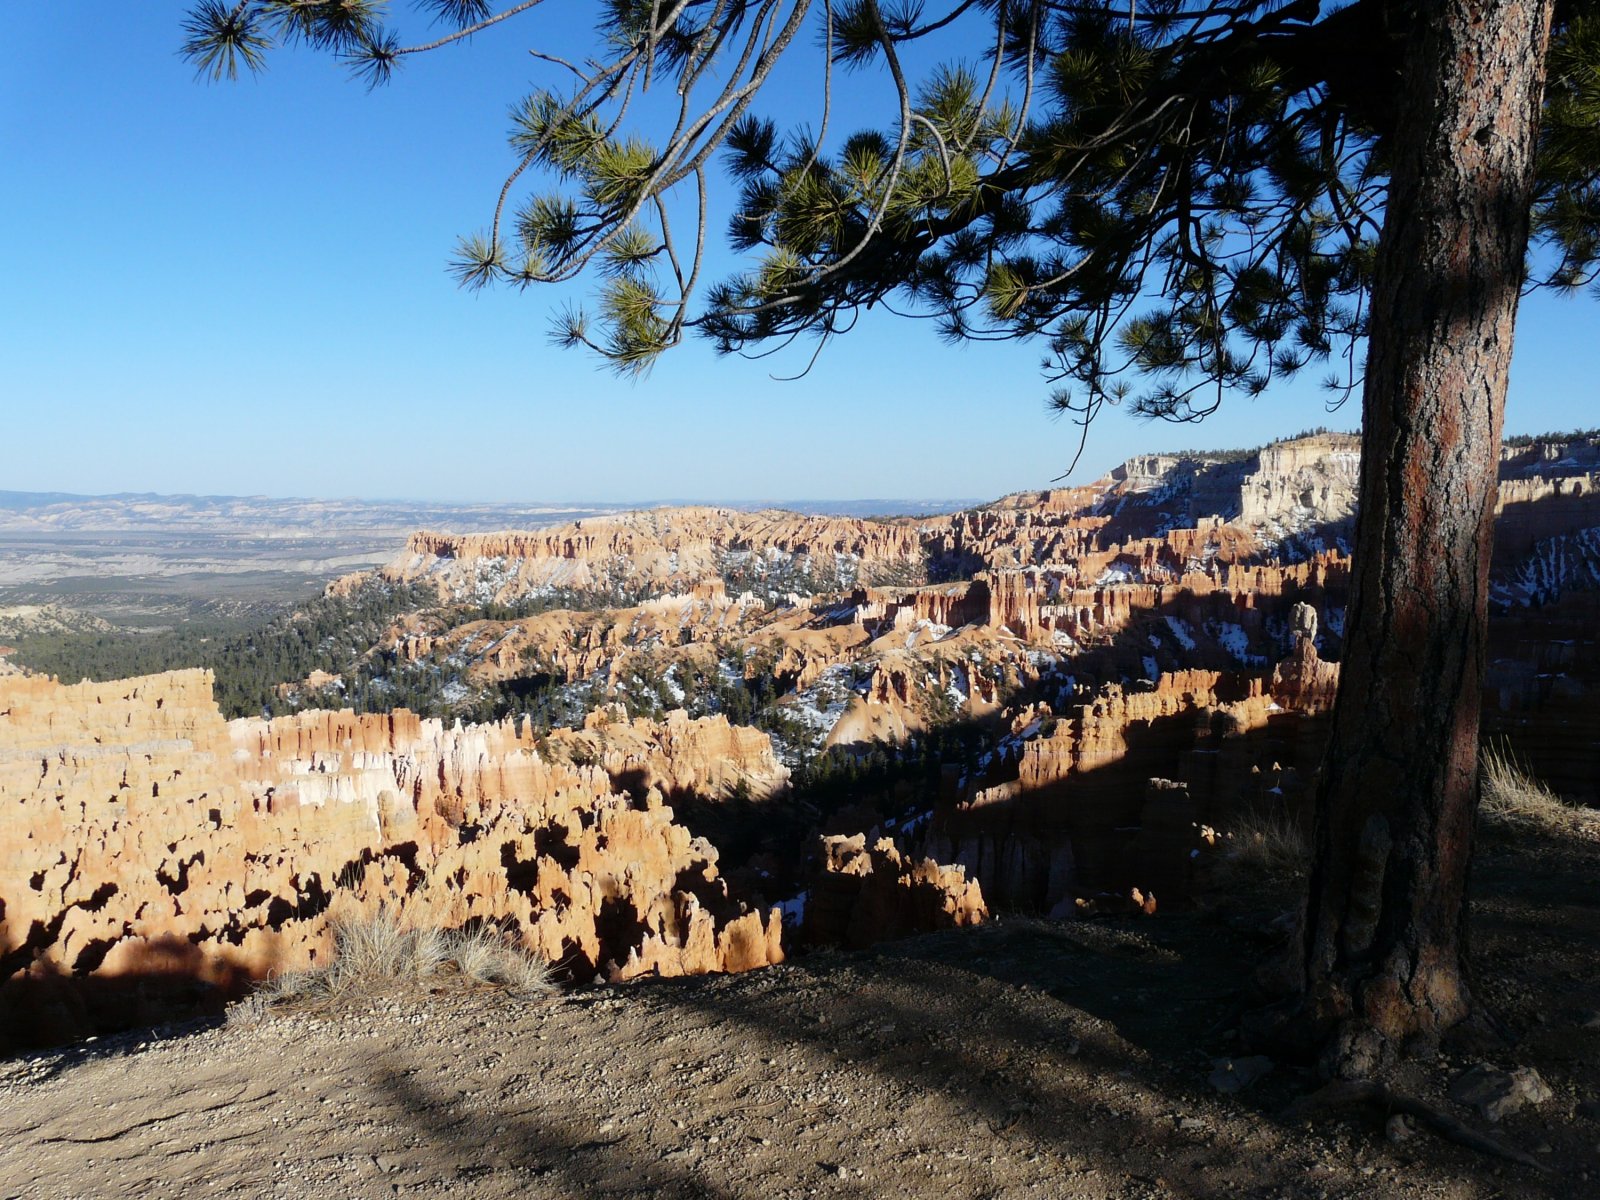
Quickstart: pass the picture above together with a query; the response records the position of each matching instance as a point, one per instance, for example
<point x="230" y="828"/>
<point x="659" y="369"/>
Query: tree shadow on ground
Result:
<point x="1068" y="1058"/>
<point x="1012" y="1078"/>
<point x="544" y="1146"/>
<point x="1083" y="1046"/>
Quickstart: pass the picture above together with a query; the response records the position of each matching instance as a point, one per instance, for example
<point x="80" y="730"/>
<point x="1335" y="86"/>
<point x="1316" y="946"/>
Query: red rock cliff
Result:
<point x="150" y="847"/>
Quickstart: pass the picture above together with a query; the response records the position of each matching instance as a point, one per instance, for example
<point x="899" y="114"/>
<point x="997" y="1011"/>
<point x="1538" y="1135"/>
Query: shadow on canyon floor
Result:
<point x="1030" y="1064"/>
<point x="1021" y="1057"/>
<point x="1087" y="1043"/>
<point x="1074" y="1038"/>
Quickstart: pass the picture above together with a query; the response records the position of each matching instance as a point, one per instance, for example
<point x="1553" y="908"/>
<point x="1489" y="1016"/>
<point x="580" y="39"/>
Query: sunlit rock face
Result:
<point x="1171" y="564"/>
<point x="1302" y="489"/>
<point x="1144" y="654"/>
<point x="152" y="850"/>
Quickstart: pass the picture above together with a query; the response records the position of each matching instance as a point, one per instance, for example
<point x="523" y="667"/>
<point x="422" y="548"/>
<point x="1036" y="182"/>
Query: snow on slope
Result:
<point x="1567" y="562"/>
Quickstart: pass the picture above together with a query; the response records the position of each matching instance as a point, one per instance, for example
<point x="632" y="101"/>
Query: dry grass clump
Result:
<point x="1512" y="801"/>
<point x="1269" y="846"/>
<point x="373" y="954"/>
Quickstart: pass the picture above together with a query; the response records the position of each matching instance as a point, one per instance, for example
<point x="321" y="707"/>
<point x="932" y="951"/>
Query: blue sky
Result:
<point x="242" y="289"/>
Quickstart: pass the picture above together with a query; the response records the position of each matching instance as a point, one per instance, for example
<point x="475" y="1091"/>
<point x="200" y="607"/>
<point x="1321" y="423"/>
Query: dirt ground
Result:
<point x="1020" y="1059"/>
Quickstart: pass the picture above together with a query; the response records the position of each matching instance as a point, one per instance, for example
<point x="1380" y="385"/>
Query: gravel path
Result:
<point x="1021" y="1059"/>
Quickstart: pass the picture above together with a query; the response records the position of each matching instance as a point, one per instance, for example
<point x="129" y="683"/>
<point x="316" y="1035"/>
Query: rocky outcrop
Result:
<point x="1147" y="513"/>
<point x="1303" y="484"/>
<point x="1561" y="552"/>
<point x="863" y="894"/>
<point x="707" y="756"/>
<point x="1302" y="682"/>
<point x="1037" y="603"/>
<point x="151" y="849"/>
<point x="1171" y="562"/>
<point x="654" y="551"/>
<point x="1112" y="794"/>
<point x="1156" y="519"/>
<point x="1551" y="458"/>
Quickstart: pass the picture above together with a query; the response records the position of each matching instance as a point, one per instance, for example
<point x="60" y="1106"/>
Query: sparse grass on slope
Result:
<point x="1512" y="801"/>
<point x="374" y="954"/>
<point x="1269" y="847"/>
<point x="1272" y="847"/>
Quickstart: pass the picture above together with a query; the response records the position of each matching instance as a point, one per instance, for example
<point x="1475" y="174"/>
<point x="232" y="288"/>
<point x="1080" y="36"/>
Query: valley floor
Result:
<point x="1023" y="1058"/>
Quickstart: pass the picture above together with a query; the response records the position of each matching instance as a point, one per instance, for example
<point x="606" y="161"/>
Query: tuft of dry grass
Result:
<point x="1513" y="801"/>
<point x="1269" y="846"/>
<point x="373" y="954"/>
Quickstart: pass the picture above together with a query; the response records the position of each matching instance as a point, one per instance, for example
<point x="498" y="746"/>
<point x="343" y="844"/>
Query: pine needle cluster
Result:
<point x="1176" y="199"/>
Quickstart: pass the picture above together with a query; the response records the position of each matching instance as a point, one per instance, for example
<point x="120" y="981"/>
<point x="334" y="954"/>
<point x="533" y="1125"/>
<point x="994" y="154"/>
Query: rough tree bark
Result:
<point x="1383" y="936"/>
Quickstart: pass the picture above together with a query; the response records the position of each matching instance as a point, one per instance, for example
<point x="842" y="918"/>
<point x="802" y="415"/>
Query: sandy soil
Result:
<point x="1021" y="1059"/>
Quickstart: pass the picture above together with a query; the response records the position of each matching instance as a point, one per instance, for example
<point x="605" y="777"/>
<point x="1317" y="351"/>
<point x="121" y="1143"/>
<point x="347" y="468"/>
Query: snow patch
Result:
<point x="1116" y="573"/>
<point x="1180" y="630"/>
<point x="1236" y="642"/>
<point x="794" y="909"/>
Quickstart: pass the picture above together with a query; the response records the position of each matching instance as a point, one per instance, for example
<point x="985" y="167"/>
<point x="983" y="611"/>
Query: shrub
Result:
<point x="1270" y="846"/>
<point x="1512" y="801"/>
<point x="372" y="954"/>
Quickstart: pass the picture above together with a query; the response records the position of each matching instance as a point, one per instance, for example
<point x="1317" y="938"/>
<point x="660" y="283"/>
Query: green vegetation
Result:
<point x="329" y="633"/>
<point x="899" y="574"/>
<point x="772" y="579"/>
<point x="597" y="599"/>
<point x="1237" y="455"/>
<point x="259" y="664"/>
<point x="1520" y="440"/>
<point x="651" y="685"/>
<point x="890" y="777"/>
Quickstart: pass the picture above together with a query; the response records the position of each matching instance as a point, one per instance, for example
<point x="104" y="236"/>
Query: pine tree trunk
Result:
<point x="1384" y="937"/>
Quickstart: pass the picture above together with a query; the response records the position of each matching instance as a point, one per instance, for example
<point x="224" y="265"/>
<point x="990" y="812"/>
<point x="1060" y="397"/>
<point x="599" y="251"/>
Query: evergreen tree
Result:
<point x="1176" y="200"/>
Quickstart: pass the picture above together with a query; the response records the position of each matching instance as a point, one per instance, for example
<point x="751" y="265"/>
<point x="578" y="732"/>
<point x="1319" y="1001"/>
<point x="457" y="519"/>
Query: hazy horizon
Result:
<point x="546" y="503"/>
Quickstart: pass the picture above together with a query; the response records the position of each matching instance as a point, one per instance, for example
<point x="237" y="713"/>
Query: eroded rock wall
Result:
<point x="864" y="893"/>
<point x="1112" y="794"/>
<point x="1162" y="514"/>
<point x="150" y="849"/>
